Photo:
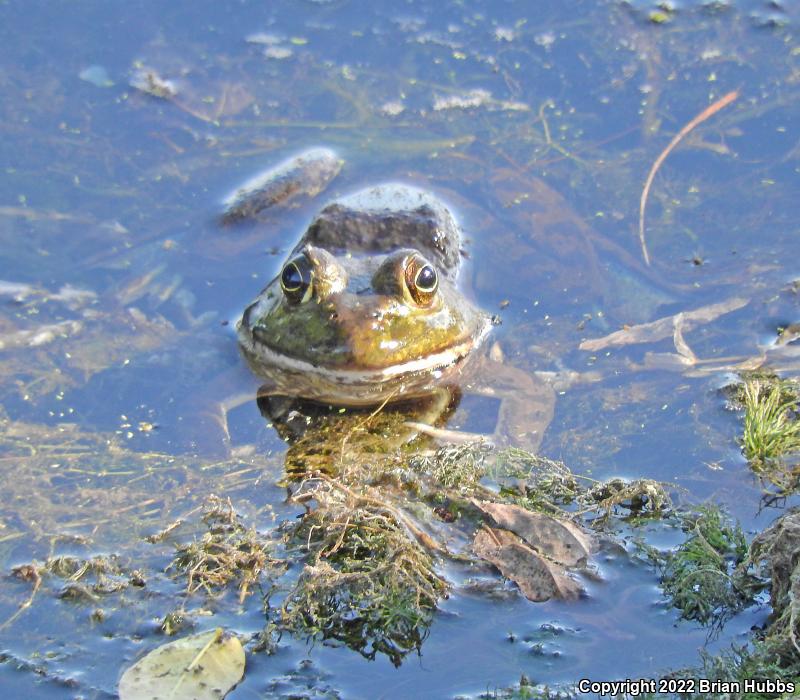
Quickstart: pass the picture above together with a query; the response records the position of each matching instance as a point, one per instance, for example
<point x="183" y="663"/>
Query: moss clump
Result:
<point x="701" y="577"/>
<point x="641" y="498"/>
<point x="548" y="485"/>
<point x="368" y="582"/>
<point x="546" y="481"/>
<point x="453" y="466"/>
<point x="228" y="551"/>
<point x="777" y="550"/>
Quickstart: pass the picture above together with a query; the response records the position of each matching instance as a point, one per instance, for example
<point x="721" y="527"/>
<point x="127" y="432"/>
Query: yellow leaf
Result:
<point x="205" y="666"/>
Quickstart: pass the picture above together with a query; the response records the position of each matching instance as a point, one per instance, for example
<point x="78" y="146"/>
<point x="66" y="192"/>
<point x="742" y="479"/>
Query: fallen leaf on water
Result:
<point x="537" y="578"/>
<point x="559" y="540"/>
<point x="205" y="666"/>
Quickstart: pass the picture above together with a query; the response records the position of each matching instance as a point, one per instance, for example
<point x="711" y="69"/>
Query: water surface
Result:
<point x="537" y="123"/>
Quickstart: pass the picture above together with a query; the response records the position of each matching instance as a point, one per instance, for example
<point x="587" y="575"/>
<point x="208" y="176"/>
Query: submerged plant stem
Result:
<point x="709" y="111"/>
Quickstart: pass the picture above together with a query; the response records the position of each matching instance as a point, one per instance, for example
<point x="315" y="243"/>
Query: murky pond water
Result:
<point x="537" y="123"/>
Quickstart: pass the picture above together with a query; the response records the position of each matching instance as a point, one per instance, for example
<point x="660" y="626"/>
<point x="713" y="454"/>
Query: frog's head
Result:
<point x="348" y="321"/>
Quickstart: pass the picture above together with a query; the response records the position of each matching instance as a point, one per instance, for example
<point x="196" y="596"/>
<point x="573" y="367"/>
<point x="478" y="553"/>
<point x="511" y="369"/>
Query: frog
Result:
<point x="368" y="310"/>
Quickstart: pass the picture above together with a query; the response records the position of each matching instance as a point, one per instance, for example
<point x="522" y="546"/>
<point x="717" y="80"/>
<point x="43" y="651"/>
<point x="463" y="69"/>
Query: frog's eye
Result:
<point x="421" y="279"/>
<point x="296" y="279"/>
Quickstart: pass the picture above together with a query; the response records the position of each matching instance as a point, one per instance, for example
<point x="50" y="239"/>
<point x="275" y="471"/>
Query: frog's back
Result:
<point x="385" y="218"/>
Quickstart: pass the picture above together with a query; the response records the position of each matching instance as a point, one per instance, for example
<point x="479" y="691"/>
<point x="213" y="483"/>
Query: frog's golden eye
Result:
<point x="297" y="279"/>
<point x="421" y="279"/>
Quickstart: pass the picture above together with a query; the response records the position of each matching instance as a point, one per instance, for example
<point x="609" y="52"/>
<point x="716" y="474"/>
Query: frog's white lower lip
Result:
<point x="331" y="384"/>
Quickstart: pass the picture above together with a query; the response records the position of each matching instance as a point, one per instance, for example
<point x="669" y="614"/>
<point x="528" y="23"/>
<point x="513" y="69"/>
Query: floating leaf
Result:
<point x="537" y="578"/>
<point x="203" y="666"/>
<point x="559" y="540"/>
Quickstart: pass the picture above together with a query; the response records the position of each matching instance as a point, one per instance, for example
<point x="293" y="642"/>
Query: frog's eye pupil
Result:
<point x="296" y="279"/>
<point x="426" y="279"/>
<point x="291" y="277"/>
<point x="422" y="281"/>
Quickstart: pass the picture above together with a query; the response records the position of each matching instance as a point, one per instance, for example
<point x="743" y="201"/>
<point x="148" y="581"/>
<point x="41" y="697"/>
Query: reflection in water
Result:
<point x="322" y="438"/>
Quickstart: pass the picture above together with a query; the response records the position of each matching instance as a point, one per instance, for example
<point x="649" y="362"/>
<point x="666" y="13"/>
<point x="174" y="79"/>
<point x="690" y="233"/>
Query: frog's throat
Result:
<point x="268" y="359"/>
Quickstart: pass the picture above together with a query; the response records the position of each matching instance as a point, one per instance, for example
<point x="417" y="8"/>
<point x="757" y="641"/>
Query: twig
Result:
<point x="709" y="111"/>
<point x="30" y="573"/>
<point x="362" y="423"/>
<point x="422" y="537"/>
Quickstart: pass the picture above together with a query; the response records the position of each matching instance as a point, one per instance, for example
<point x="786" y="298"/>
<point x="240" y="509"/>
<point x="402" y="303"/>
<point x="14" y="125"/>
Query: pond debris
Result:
<point x="546" y="481"/>
<point x="205" y="666"/>
<point x="532" y="549"/>
<point x="302" y="176"/>
<point x="228" y="551"/>
<point x="641" y="497"/>
<point x="25" y="572"/>
<point x="548" y="485"/>
<point x="472" y="99"/>
<point x="558" y="539"/>
<point x="538" y="578"/>
<point x="704" y="577"/>
<point x="665" y="327"/>
<point x="149" y="81"/>
<point x="458" y="466"/>
<point x="85" y="580"/>
<point x="776" y="550"/>
<point x="708" y="112"/>
<point x="368" y="582"/>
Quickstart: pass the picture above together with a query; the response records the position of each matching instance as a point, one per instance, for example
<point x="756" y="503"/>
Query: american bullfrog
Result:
<point x="366" y="307"/>
<point x="366" y="310"/>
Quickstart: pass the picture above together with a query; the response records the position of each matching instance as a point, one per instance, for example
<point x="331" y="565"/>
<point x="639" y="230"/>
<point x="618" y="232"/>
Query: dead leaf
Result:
<point x="204" y="666"/>
<point x="559" y="540"/>
<point x="537" y="578"/>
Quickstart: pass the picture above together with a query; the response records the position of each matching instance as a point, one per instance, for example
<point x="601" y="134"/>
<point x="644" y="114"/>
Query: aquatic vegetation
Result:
<point x="771" y="425"/>
<point x="641" y="498"/>
<point x="549" y="485"/>
<point x="774" y="653"/>
<point x="458" y="466"/>
<point x="776" y="550"/>
<point x="227" y="552"/>
<point x="368" y="582"/>
<point x="546" y="480"/>
<point x="703" y="577"/>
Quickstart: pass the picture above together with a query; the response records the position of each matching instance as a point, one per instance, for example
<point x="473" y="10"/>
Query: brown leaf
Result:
<point x="537" y="578"/>
<point x="559" y="540"/>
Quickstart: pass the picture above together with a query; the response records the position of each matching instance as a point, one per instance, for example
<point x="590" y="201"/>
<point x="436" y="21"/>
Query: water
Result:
<point x="537" y="123"/>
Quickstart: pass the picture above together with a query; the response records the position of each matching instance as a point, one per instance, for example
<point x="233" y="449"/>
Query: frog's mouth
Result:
<point x="356" y="385"/>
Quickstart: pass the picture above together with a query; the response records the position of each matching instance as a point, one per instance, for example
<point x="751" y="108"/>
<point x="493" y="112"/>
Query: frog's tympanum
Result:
<point x="366" y="306"/>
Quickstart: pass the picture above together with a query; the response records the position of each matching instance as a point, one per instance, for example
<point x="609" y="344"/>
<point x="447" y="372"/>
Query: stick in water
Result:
<point x="709" y="111"/>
